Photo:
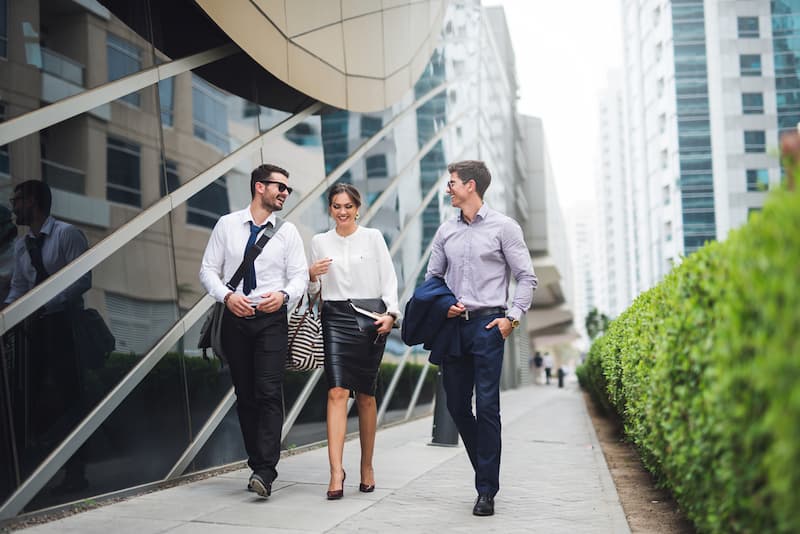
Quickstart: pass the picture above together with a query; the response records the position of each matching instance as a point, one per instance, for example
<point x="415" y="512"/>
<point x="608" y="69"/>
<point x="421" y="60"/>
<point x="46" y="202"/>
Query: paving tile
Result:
<point x="553" y="480"/>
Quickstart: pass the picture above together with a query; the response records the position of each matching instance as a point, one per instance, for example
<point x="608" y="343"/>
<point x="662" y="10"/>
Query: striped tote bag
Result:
<point x="305" y="338"/>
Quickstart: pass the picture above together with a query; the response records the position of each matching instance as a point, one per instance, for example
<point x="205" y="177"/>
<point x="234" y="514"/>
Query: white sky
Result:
<point x="564" y="51"/>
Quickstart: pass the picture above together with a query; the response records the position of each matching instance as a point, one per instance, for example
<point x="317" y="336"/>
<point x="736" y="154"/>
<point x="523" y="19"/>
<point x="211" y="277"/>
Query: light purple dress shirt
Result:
<point x="477" y="260"/>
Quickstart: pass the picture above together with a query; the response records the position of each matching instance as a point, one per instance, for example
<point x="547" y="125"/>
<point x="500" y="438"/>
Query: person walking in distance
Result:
<point x="548" y="367"/>
<point x="352" y="262"/>
<point x="477" y="253"/>
<point x="254" y="324"/>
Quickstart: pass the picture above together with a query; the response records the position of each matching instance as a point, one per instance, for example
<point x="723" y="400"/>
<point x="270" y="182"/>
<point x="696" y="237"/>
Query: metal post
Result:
<point x="417" y="391"/>
<point x="445" y="433"/>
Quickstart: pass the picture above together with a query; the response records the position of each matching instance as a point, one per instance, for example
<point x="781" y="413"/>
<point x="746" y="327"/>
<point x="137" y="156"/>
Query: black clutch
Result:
<point x="366" y="312"/>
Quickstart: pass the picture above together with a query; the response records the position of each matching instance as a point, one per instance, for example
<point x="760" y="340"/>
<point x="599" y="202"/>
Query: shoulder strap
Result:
<point x="253" y="252"/>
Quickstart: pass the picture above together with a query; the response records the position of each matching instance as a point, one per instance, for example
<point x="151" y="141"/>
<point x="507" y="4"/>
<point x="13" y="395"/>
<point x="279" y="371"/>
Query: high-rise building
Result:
<point x="614" y="225"/>
<point x="708" y="88"/>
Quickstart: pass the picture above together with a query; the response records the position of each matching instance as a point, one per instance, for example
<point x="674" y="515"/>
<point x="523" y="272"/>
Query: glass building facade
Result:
<point x="694" y="129"/>
<point x="786" y="51"/>
<point x="143" y="152"/>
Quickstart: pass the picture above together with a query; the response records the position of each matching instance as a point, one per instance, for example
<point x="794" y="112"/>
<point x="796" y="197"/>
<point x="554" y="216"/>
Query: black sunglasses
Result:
<point x="281" y="186"/>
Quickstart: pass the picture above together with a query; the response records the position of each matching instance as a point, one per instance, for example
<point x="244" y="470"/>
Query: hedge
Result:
<point x="703" y="369"/>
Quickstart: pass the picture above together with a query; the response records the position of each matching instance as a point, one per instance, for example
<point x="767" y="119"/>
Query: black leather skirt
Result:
<point x="352" y="357"/>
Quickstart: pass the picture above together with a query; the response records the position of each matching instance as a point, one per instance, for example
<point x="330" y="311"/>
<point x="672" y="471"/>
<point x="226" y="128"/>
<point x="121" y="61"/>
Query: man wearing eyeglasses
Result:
<point x="55" y="369"/>
<point x="254" y="325"/>
<point x="476" y="253"/>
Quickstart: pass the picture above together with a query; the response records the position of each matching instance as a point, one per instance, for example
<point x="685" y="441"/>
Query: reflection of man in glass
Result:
<point x="52" y="393"/>
<point x="8" y="232"/>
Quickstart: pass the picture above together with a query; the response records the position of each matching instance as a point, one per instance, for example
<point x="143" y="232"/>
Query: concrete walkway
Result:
<point x="553" y="479"/>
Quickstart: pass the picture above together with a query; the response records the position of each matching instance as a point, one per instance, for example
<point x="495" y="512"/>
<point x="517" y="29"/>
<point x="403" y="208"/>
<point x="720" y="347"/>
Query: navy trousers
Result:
<point x="478" y="368"/>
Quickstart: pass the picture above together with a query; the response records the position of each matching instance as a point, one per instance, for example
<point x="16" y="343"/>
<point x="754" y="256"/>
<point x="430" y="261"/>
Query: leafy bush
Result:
<point x="704" y="371"/>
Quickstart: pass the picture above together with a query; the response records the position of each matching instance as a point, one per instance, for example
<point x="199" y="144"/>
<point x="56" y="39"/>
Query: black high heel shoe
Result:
<point x="363" y="488"/>
<point x="334" y="495"/>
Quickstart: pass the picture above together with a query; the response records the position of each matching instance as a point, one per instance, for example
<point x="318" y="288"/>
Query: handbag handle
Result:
<point x="309" y="310"/>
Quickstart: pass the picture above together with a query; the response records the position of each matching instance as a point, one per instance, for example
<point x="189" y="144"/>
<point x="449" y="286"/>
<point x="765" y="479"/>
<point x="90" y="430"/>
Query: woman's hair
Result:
<point x="348" y="189"/>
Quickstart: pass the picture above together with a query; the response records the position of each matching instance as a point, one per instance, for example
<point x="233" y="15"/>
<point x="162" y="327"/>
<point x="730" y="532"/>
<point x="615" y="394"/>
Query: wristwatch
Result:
<point x="285" y="296"/>
<point x="514" y="322"/>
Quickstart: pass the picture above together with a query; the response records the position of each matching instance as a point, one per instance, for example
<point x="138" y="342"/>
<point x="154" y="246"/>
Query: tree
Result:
<point x="596" y="323"/>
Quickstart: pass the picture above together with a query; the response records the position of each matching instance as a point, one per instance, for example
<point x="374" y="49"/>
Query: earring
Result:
<point x="358" y="216"/>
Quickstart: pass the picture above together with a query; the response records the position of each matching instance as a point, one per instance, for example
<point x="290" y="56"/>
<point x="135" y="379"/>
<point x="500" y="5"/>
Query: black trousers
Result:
<point x="256" y="350"/>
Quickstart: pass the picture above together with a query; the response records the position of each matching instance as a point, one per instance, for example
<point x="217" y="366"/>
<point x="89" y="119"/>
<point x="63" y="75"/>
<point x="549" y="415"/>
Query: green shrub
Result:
<point x="704" y="371"/>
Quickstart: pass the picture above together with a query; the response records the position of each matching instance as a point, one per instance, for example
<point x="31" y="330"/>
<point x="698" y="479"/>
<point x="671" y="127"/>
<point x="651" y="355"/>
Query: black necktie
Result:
<point x="34" y="246"/>
<point x="250" y="270"/>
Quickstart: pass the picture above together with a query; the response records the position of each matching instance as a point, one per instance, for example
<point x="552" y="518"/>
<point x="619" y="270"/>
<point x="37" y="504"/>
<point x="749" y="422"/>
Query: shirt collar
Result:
<point x="482" y="212"/>
<point x="47" y="226"/>
<point x="247" y="217"/>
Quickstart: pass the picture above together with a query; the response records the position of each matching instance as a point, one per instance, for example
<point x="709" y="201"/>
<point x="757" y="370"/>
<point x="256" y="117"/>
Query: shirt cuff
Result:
<point x="314" y="287"/>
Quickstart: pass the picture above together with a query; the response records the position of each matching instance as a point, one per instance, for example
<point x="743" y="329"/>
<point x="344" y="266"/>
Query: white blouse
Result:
<point x="361" y="268"/>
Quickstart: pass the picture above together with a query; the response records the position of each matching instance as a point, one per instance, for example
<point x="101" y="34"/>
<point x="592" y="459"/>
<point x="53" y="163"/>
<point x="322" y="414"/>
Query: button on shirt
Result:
<point x="478" y="259"/>
<point x="280" y="266"/>
<point x="61" y="244"/>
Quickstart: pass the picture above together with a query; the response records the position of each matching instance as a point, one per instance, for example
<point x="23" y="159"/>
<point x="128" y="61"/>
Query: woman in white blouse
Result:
<point x="352" y="262"/>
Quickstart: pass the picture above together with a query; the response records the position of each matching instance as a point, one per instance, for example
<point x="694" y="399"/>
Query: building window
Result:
<point x="659" y="51"/>
<point x="660" y="87"/>
<point x="124" y="58"/>
<point x="166" y="100"/>
<point x="752" y="103"/>
<point x="757" y="179"/>
<point x="376" y="166"/>
<point x="3" y="28"/>
<point x="210" y="114"/>
<point x="662" y="123"/>
<point x="664" y="159"/>
<point x="137" y="324"/>
<point x="668" y="231"/>
<point x="5" y="163"/>
<point x="370" y="126"/>
<point x="123" y="183"/>
<point x="656" y="16"/>
<point x="303" y="134"/>
<point x="169" y="178"/>
<point x="748" y="27"/>
<point x="666" y="196"/>
<point x="209" y="204"/>
<point x="750" y="65"/>
<point x="755" y="141"/>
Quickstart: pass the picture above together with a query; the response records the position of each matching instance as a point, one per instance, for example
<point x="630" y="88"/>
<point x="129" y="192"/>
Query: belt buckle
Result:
<point x="466" y="315"/>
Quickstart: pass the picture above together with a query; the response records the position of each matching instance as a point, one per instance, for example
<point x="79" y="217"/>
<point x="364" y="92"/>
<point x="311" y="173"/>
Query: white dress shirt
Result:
<point x="62" y="243"/>
<point x="281" y="266"/>
<point x="362" y="267"/>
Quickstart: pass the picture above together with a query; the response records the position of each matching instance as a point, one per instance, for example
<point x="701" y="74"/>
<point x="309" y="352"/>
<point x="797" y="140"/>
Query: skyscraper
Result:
<point x="708" y="86"/>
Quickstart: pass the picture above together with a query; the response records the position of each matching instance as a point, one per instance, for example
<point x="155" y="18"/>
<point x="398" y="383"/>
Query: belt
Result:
<point x="481" y="312"/>
<point x="259" y="313"/>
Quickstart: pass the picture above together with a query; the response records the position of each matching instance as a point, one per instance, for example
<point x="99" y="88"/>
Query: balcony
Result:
<point x="63" y="177"/>
<point x="62" y="67"/>
<point x="63" y="77"/>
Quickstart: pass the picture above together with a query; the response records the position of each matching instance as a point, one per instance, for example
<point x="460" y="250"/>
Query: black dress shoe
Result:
<point x="483" y="506"/>
<point x="258" y="485"/>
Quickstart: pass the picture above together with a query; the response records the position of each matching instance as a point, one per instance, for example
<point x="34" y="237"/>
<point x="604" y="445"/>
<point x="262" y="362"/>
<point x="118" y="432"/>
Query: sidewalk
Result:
<point x="553" y="479"/>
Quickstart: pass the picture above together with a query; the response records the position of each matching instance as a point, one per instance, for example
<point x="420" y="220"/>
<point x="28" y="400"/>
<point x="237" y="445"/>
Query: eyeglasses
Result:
<point x="452" y="184"/>
<point x="282" y="187"/>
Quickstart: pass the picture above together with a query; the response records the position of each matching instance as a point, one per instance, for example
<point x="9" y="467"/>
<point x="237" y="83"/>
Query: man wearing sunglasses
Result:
<point x="254" y="324"/>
